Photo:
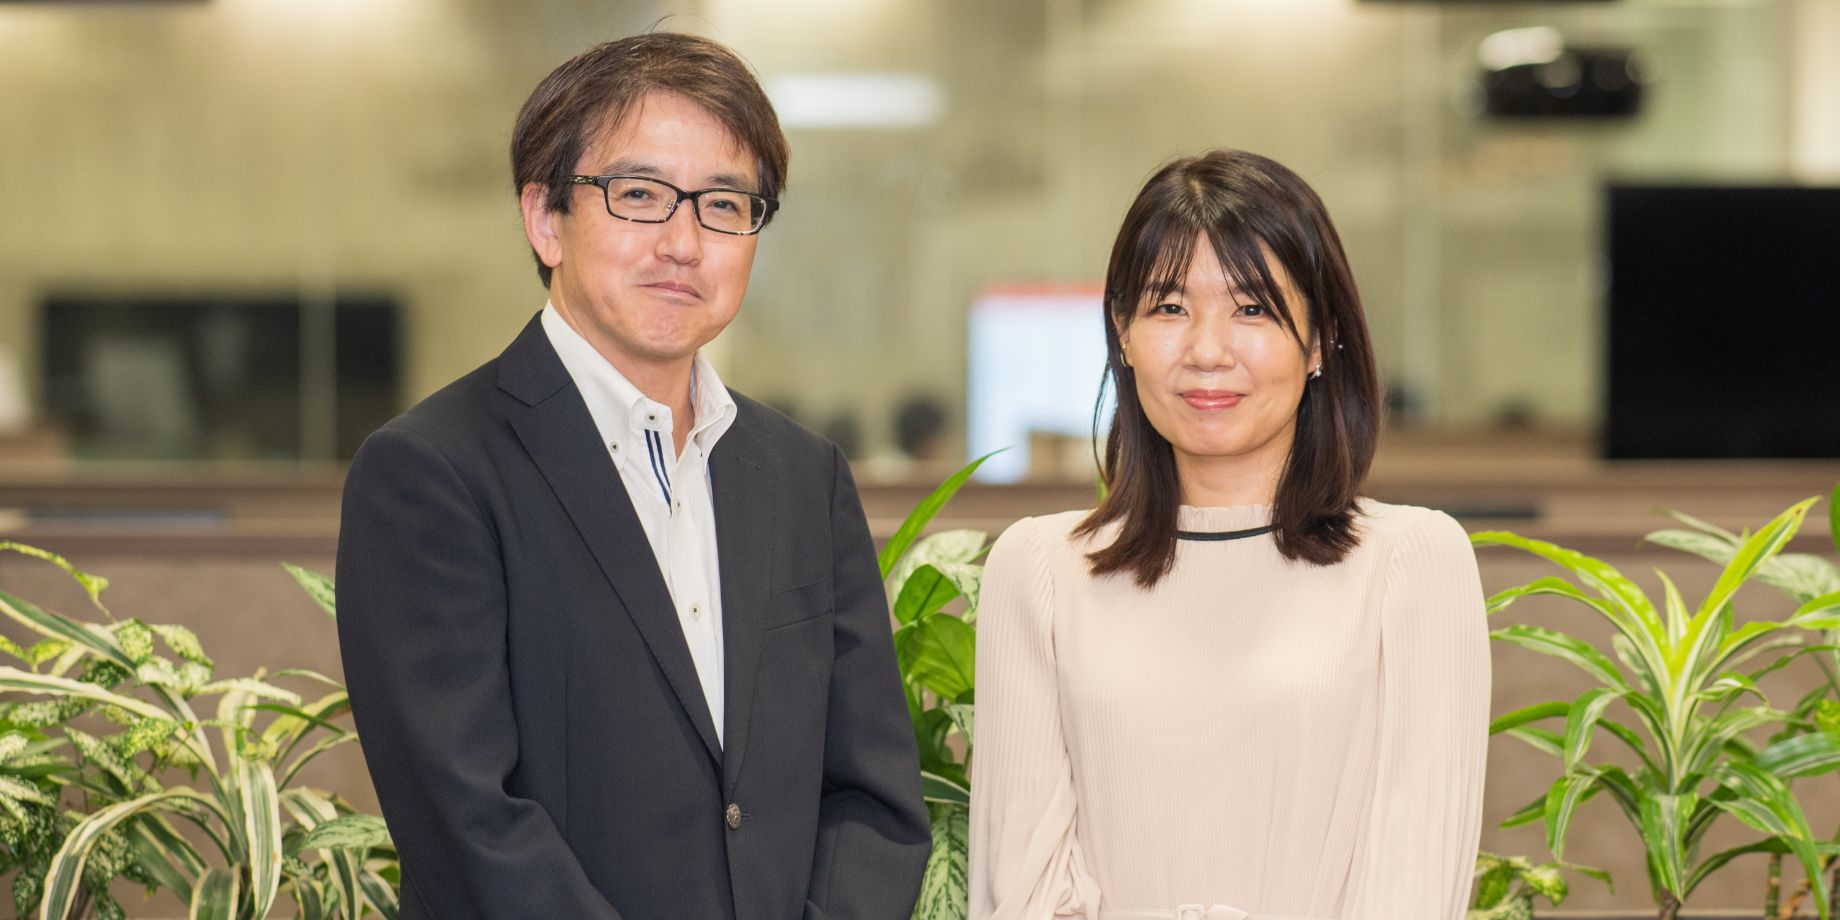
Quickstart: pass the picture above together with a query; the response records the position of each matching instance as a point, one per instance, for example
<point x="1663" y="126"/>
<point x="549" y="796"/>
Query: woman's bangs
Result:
<point x="1243" y="255"/>
<point x="1159" y="264"/>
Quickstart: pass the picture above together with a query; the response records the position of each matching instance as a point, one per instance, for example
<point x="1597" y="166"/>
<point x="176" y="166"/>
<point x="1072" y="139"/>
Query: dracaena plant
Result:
<point x="139" y="689"/>
<point x="1678" y="691"/>
<point x="1802" y="578"/>
<point x="937" y="651"/>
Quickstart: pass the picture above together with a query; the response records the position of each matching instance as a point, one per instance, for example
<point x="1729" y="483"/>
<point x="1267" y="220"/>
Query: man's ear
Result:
<point x="542" y="226"/>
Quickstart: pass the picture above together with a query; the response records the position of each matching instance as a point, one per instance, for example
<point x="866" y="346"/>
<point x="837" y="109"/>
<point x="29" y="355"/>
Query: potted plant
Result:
<point x="936" y="647"/>
<point x="1687" y="679"/>
<point x="1803" y="578"/>
<point x="142" y="688"/>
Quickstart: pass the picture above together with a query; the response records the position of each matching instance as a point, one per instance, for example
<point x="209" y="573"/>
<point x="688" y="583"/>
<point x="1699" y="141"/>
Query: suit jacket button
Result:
<point x="733" y="816"/>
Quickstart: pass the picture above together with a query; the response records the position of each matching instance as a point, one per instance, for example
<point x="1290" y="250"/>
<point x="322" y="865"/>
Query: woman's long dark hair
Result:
<point x="1245" y="205"/>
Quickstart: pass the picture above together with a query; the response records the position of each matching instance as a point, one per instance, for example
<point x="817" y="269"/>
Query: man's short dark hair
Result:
<point x="594" y="92"/>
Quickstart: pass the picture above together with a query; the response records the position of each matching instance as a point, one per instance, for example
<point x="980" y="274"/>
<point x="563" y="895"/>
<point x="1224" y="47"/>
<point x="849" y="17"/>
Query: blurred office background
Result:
<point x="235" y="235"/>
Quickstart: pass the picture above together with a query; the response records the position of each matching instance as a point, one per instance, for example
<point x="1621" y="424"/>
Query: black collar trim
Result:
<point x="1215" y="536"/>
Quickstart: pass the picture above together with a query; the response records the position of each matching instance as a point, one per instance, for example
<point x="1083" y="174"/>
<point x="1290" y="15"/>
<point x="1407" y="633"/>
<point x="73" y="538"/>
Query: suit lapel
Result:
<point x="556" y="430"/>
<point x="744" y="528"/>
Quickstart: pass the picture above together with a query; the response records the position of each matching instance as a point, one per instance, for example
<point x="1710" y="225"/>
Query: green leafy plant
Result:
<point x="139" y="688"/>
<point x="937" y="651"/>
<point x="1684" y="676"/>
<point x="1803" y="578"/>
<point x="1506" y="886"/>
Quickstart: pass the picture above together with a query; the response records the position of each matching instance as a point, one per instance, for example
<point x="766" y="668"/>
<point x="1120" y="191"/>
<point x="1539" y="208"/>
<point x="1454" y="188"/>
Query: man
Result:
<point x="615" y="638"/>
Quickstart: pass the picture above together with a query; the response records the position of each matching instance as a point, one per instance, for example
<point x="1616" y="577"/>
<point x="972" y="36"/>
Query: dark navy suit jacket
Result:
<point x="527" y="703"/>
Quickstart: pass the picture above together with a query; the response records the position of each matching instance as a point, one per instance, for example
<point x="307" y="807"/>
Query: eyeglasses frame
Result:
<point x="696" y="205"/>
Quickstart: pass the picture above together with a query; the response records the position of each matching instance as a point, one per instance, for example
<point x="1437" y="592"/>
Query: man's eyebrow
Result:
<point x="633" y="168"/>
<point x="730" y="180"/>
<point x="642" y="168"/>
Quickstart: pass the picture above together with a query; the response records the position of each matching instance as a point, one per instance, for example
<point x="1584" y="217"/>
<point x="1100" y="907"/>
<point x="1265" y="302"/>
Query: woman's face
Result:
<point x="1218" y="374"/>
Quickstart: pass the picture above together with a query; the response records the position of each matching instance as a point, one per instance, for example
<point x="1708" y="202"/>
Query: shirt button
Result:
<point x="614" y="446"/>
<point x="678" y="505"/>
<point x="696" y="611"/>
<point x="732" y="815"/>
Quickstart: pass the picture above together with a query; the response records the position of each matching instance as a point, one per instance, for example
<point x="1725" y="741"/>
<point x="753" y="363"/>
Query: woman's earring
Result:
<point x="1316" y="373"/>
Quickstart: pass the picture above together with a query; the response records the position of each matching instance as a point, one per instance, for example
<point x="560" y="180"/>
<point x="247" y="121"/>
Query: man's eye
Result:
<point x="636" y="194"/>
<point x="721" y="204"/>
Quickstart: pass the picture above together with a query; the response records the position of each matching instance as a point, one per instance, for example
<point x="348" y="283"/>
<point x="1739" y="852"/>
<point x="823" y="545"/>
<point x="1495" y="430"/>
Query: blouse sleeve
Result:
<point x="1417" y="854"/>
<point x="1025" y="854"/>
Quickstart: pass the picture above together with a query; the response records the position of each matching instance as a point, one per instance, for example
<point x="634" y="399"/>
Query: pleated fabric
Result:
<point x="1255" y="736"/>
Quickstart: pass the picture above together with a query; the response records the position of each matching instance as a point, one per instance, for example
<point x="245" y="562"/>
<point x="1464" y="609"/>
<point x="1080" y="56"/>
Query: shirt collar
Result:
<point x="618" y="408"/>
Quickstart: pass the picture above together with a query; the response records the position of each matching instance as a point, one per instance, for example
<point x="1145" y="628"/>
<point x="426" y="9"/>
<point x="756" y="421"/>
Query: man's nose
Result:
<point x="680" y="239"/>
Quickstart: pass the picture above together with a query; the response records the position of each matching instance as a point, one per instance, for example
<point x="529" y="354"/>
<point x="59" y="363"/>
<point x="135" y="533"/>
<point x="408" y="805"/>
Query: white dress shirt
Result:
<point x="670" y="493"/>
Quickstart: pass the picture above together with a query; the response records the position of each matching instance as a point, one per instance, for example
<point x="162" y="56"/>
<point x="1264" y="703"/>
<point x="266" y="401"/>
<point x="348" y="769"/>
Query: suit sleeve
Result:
<point x="873" y="833"/>
<point x="422" y="631"/>
<point x="1418" y="851"/>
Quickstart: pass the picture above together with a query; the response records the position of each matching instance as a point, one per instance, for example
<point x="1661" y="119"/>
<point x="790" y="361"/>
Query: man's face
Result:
<point x="648" y="295"/>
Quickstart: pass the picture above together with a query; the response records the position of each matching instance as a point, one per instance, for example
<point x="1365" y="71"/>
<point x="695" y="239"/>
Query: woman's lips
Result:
<point x="1212" y="400"/>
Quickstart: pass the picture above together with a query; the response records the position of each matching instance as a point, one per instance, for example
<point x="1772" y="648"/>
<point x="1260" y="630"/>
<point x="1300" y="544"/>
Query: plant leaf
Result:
<point x="963" y="718"/>
<point x="16" y="681"/>
<point x="99" y="642"/>
<point x="217" y="895"/>
<point x="1801" y="755"/>
<point x="93" y="585"/>
<point x="945" y="656"/>
<point x="923" y="514"/>
<point x="940" y="789"/>
<point x="1563" y="799"/>
<point x="1544" y="739"/>
<point x="249" y="686"/>
<point x="1629" y="608"/>
<point x="1559" y="645"/>
<point x="947" y="546"/>
<point x="348" y="832"/>
<point x="1754" y="552"/>
<point x="182" y="642"/>
<point x="1663" y="826"/>
<point x="261" y="808"/>
<point x="65" y="875"/>
<point x="924" y="592"/>
<point x="1581" y="722"/>
<point x="379" y="894"/>
<point x="945" y="886"/>
<point x="317" y="586"/>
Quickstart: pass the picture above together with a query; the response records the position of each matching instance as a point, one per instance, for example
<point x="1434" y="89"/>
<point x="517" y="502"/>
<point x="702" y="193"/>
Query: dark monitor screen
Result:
<point x="218" y="377"/>
<point x="1724" y="322"/>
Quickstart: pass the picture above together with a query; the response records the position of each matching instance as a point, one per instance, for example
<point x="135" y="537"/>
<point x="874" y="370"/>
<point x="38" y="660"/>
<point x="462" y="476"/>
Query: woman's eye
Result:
<point x="1254" y="309"/>
<point x="1166" y="309"/>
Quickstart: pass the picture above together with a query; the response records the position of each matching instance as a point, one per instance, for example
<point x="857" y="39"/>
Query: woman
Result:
<point x="1236" y="689"/>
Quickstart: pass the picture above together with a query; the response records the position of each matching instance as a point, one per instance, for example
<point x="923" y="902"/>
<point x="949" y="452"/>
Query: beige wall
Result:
<point x="323" y="144"/>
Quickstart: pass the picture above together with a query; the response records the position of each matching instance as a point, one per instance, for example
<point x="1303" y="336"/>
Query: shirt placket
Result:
<point x="689" y="486"/>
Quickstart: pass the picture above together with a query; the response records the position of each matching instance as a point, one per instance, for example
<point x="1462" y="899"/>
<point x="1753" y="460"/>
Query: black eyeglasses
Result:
<point x="653" y="201"/>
